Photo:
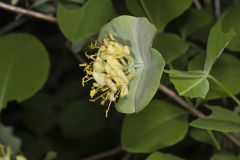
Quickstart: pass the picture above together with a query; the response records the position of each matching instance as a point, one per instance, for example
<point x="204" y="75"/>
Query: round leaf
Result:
<point x="138" y="36"/>
<point x="24" y="67"/>
<point x="160" y="12"/>
<point x="194" y="20"/>
<point x="231" y="18"/>
<point x="78" y="24"/>
<point x="135" y="7"/>
<point x="158" y="126"/>
<point x="164" y="43"/>
<point x="234" y="44"/>
<point x="217" y="42"/>
<point x="191" y="84"/>
<point x="221" y="119"/>
<point x="224" y="156"/>
<point x="162" y="156"/>
<point x="203" y="136"/>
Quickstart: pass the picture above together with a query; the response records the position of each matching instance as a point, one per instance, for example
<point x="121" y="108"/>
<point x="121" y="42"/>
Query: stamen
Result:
<point x="106" y="112"/>
<point x="83" y="65"/>
<point x="112" y="67"/>
<point x="111" y="37"/>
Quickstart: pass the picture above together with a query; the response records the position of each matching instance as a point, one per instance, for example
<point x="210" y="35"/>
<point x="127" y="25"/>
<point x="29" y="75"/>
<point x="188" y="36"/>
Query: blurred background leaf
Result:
<point x="75" y="124"/>
<point x="19" y="79"/>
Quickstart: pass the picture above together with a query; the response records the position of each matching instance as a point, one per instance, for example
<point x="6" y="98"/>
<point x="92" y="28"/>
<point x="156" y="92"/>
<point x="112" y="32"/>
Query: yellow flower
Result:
<point x="6" y="153"/>
<point x="111" y="69"/>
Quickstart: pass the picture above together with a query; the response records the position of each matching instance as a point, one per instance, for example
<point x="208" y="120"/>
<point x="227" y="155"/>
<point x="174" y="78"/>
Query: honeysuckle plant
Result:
<point x="170" y="67"/>
<point x="112" y="68"/>
<point x="125" y="64"/>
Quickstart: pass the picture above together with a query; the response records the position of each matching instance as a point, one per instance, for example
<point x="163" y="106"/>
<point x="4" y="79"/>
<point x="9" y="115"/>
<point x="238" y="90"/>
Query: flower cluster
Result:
<point x="111" y="68"/>
<point x="6" y="153"/>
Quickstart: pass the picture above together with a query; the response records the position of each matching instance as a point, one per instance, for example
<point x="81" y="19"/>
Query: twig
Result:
<point x="27" y="12"/>
<point x="12" y="25"/>
<point x="197" y="4"/>
<point x="105" y="154"/>
<point x="181" y="101"/>
<point x="217" y="5"/>
<point x="192" y="110"/>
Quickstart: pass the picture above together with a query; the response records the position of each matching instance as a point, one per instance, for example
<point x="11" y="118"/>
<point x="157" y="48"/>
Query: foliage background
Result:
<point x="58" y="117"/>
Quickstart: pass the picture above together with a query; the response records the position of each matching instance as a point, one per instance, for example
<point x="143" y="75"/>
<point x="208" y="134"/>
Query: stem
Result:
<point x="105" y="154"/>
<point x="181" y="101"/>
<point x="146" y="11"/>
<point x="198" y="102"/>
<point x="27" y="12"/>
<point x="192" y="110"/>
<point x="226" y="90"/>
<point x="215" y="141"/>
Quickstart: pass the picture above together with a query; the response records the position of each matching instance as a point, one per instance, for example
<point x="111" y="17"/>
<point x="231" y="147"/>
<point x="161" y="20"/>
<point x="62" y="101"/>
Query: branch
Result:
<point x="192" y="109"/>
<point x="105" y="154"/>
<point x="27" y="12"/>
<point x="217" y="5"/>
<point x="181" y="101"/>
<point x="12" y="25"/>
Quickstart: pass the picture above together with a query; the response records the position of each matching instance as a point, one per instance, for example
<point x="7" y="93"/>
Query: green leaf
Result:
<point x="224" y="156"/>
<point x="160" y="12"/>
<point x="231" y="19"/>
<point x="73" y="119"/>
<point x="8" y="139"/>
<point x="164" y="43"/>
<point x="78" y="24"/>
<point x="221" y="119"/>
<point x="217" y="41"/>
<point x="135" y="7"/>
<point x="23" y="68"/>
<point x="194" y="20"/>
<point x="138" y="36"/>
<point x="51" y="155"/>
<point x="162" y="156"/>
<point x="78" y="46"/>
<point x="201" y="135"/>
<point x="191" y="84"/>
<point x="224" y="70"/>
<point x="234" y="44"/>
<point x="77" y="1"/>
<point x="158" y="126"/>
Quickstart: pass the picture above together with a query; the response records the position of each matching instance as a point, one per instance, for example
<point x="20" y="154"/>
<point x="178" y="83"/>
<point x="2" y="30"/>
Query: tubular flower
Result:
<point x="111" y="68"/>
